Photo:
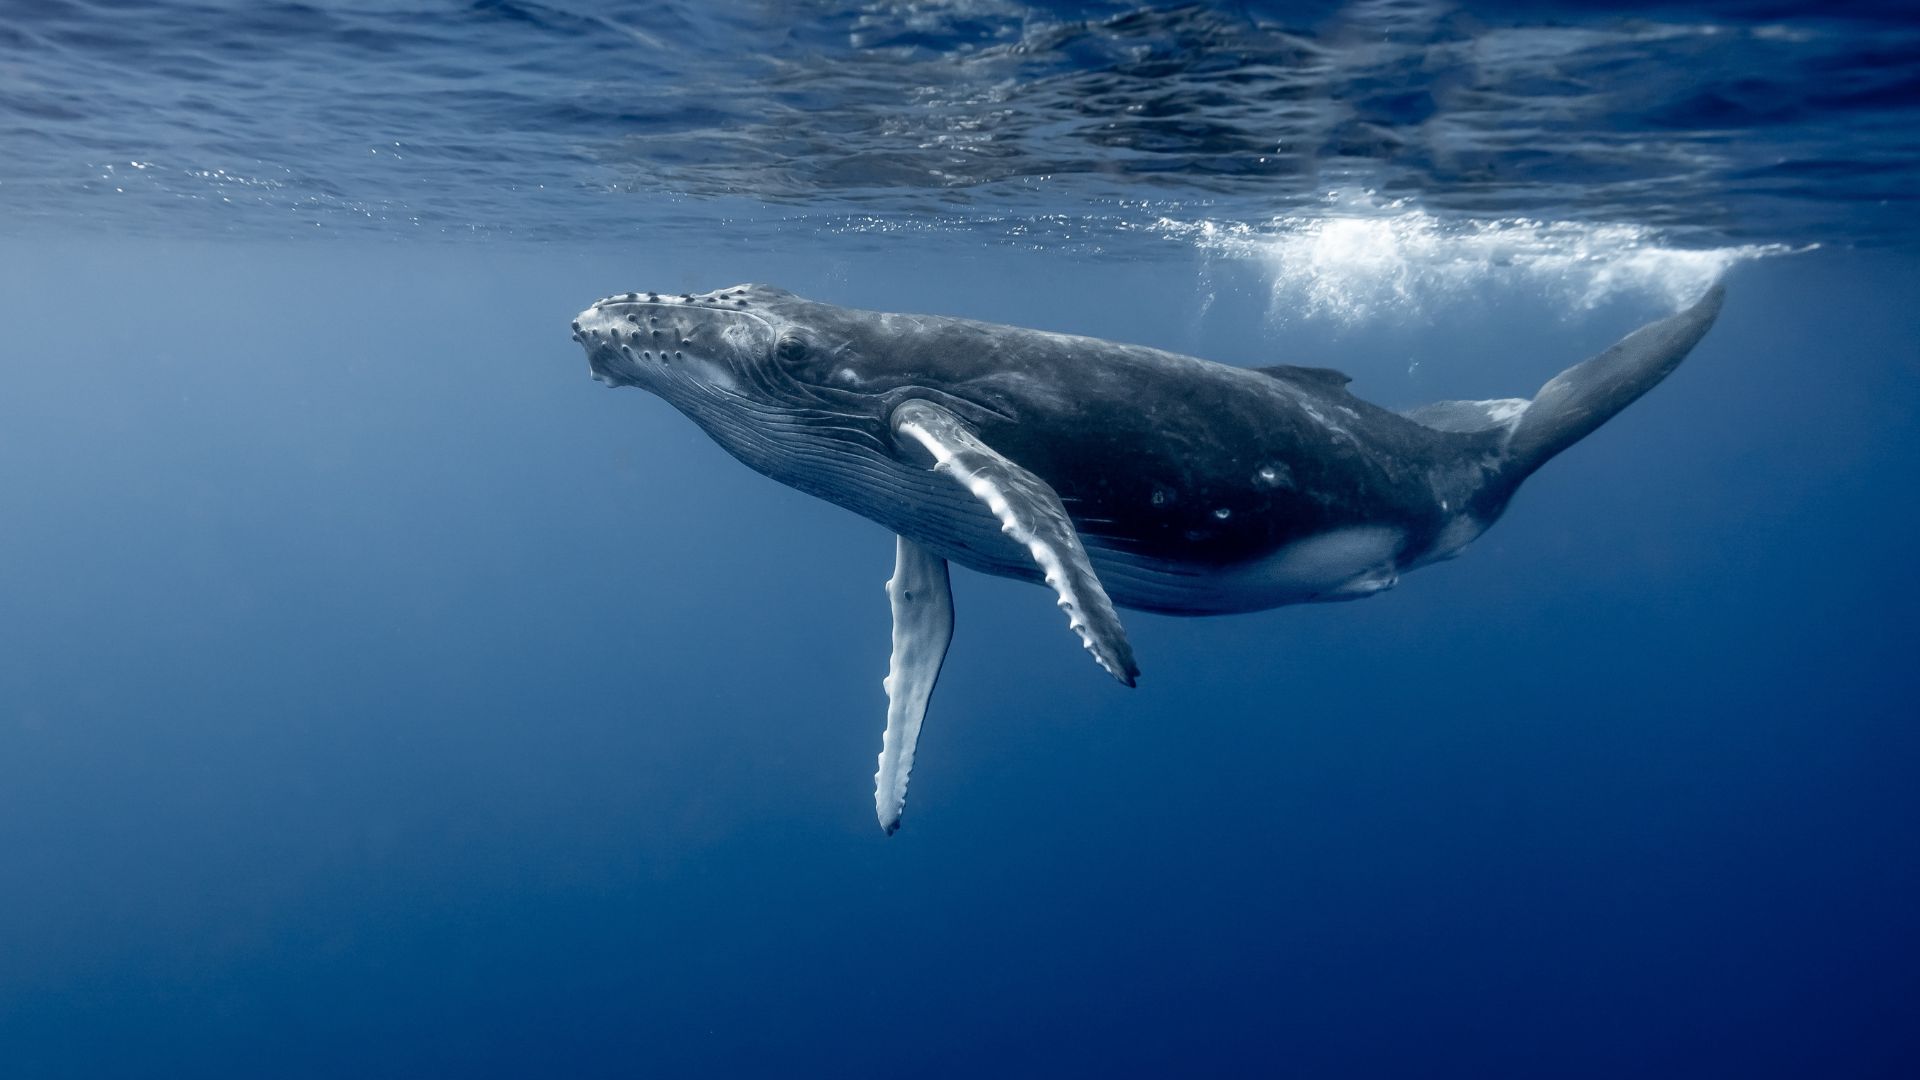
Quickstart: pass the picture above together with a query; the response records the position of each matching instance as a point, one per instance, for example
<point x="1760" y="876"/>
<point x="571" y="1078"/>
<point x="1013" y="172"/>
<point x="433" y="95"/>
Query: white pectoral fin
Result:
<point x="1031" y="513"/>
<point x="922" y="628"/>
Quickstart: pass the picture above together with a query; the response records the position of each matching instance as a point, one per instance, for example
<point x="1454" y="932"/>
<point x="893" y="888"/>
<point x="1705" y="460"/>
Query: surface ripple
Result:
<point x="1037" y="123"/>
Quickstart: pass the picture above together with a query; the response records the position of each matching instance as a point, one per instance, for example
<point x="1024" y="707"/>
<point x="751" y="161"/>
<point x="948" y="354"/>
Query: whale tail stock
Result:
<point x="1578" y="400"/>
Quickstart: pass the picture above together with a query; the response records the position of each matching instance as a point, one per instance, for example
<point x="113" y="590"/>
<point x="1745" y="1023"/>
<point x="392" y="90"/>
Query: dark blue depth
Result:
<point x="380" y="697"/>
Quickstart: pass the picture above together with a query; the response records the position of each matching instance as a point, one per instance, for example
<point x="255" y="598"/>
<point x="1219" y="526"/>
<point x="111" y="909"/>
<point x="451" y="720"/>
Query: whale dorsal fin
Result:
<point x="1319" y="376"/>
<point x="1030" y="513"/>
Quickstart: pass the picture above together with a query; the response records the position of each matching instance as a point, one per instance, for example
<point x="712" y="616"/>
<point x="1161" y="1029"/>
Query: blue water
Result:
<point x="381" y="697"/>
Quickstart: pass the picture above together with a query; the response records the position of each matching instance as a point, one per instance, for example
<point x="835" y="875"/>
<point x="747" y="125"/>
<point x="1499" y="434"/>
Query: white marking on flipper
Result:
<point x="1030" y="512"/>
<point x="922" y="628"/>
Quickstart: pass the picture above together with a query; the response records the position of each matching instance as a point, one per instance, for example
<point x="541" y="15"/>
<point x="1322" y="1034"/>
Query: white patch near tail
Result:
<point x="1470" y="416"/>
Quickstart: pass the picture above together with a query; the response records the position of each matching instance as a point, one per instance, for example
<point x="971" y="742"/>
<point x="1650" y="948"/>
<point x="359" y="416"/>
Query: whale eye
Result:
<point x="791" y="348"/>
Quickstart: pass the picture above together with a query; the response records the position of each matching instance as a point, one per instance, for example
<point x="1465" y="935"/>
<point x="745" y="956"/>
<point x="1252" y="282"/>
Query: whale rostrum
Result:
<point x="1117" y="476"/>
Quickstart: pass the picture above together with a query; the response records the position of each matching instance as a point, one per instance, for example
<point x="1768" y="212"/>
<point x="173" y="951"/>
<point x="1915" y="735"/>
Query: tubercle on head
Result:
<point x="734" y="296"/>
<point x="669" y="343"/>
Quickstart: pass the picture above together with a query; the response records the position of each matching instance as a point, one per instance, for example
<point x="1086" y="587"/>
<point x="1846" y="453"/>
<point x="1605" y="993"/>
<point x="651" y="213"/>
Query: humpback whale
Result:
<point x="1117" y="476"/>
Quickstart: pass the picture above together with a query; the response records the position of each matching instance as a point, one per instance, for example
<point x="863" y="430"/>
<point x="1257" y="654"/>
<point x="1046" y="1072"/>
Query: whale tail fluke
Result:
<point x="1527" y="434"/>
<point x="1578" y="400"/>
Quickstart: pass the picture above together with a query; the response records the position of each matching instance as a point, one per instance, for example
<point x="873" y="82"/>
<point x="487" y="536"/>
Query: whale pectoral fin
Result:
<point x="1031" y="513"/>
<point x="922" y="628"/>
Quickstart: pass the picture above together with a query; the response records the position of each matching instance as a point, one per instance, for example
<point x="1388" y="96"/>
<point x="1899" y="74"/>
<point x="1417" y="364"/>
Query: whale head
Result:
<point x="763" y="357"/>
<point x="799" y="390"/>
<point x="750" y="340"/>
<point x="674" y="344"/>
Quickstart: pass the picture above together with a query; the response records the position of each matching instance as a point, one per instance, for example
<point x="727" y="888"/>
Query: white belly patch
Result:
<point x="1354" y="561"/>
<point x="1345" y="564"/>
